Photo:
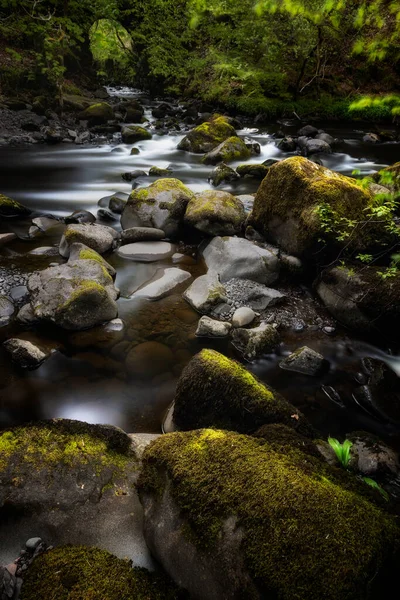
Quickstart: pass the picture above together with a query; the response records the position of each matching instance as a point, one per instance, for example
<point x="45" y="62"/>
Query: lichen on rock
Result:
<point x="215" y="213"/>
<point x="207" y="136"/>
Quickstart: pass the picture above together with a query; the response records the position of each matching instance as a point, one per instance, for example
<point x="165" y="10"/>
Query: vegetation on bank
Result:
<point x="277" y="57"/>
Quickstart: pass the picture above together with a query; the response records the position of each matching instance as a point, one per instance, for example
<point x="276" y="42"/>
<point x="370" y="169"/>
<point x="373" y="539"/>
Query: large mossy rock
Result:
<point x="207" y="136"/>
<point x="214" y="391"/>
<point x="12" y="208"/>
<point x="81" y="572"/>
<point x="134" y="133"/>
<point x="98" y="113"/>
<point x="288" y="205"/>
<point x="74" y="296"/>
<point x="231" y="516"/>
<point x="99" y="238"/>
<point x="215" y="213"/>
<point x="162" y="205"/>
<point x="71" y="482"/>
<point x="361" y="298"/>
<point x="229" y="150"/>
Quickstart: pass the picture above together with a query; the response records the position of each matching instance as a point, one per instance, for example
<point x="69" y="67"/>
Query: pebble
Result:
<point x="33" y="543"/>
<point x="328" y="330"/>
<point x="243" y="316"/>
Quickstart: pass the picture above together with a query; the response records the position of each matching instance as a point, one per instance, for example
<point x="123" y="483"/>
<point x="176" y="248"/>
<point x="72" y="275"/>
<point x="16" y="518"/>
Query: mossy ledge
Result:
<point x="84" y="573"/>
<point x="214" y="391"/>
<point x="308" y="531"/>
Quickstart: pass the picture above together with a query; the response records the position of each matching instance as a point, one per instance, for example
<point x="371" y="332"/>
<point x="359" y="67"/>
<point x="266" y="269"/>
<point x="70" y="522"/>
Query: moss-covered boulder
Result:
<point x="229" y="150"/>
<point x="214" y="391"/>
<point x="300" y="202"/>
<point x="215" y="213"/>
<point x="134" y="133"/>
<point x="162" y="205"/>
<point x="71" y="482"/>
<point x="207" y="136"/>
<point x="82" y="252"/>
<point x="222" y="173"/>
<point x="99" y="238"/>
<point x="231" y="516"/>
<point x="12" y="208"/>
<point x="362" y="298"/>
<point x="75" y="296"/>
<point x="98" y="113"/>
<point x="254" y="171"/>
<point x="389" y="177"/>
<point x="81" y="572"/>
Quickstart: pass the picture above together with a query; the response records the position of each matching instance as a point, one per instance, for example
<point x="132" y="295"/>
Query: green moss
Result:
<point x="89" y="254"/>
<point x="100" y="110"/>
<point x="10" y="207"/>
<point x="229" y="150"/>
<point x="215" y="207"/>
<point x="256" y="171"/>
<point x="207" y="136"/>
<point x="85" y="288"/>
<point x="150" y="194"/>
<point x="50" y="443"/>
<point x="214" y="391"/>
<point x="83" y="573"/>
<point x="308" y="531"/>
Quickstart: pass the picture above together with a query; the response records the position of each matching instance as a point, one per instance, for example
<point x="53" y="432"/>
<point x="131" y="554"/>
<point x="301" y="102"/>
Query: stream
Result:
<point x="91" y="382"/>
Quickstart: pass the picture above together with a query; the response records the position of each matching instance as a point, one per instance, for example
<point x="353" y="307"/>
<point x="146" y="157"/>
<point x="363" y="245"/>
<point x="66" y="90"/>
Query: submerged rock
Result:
<point x="207" y="136"/>
<point x="215" y="213"/>
<point x="309" y="147"/>
<point x="162" y="205"/>
<point x="80" y="216"/>
<point x="168" y="283"/>
<point x="84" y="572"/>
<point x="28" y="353"/>
<point x="255" y="171"/>
<point x="230" y="257"/>
<point x="133" y="133"/>
<point x="214" y="391"/>
<point x="97" y="237"/>
<point x="231" y="516"/>
<point x="229" y="150"/>
<point x="149" y="359"/>
<point x="288" y="204"/>
<point x="12" y="208"/>
<point x="306" y="361"/>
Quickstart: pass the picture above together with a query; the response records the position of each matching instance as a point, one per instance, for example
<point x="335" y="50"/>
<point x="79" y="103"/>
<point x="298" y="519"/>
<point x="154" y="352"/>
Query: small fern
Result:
<point x="342" y="451"/>
<point x="376" y="486"/>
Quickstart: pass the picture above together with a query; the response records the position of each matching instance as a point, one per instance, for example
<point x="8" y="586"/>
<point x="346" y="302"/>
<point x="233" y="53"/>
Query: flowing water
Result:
<point x="92" y="383"/>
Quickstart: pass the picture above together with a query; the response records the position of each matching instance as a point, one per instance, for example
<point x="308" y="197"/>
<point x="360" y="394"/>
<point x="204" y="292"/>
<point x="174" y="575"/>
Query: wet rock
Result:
<point x="325" y="137"/>
<point x="104" y="336"/>
<point x="232" y="257"/>
<point x="214" y="391"/>
<point x="159" y="172"/>
<point x="161" y="205"/>
<point x="308" y="131"/>
<point x="25" y="353"/>
<point x="117" y="205"/>
<point x="71" y="483"/>
<point x="243" y="316"/>
<point x="74" y="296"/>
<point x="26" y="315"/>
<point x="211" y="328"/>
<point x="44" y="251"/>
<point x="371" y="456"/>
<point x="168" y="283"/>
<point x="247" y="200"/>
<point x="229" y="150"/>
<point x="223" y="173"/>
<point x="7" y="309"/>
<point x="106" y="215"/>
<point x="250" y="504"/>
<point x="371" y="138"/>
<point x="149" y="359"/>
<point x="205" y="293"/>
<point x="134" y="175"/>
<point x="82" y="252"/>
<point x="215" y="213"/>
<point x="207" y="136"/>
<point x="80" y="216"/>
<point x="309" y="147"/>
<point x="141" y="234"/>
<point x="252" y="145"/>
<point x="254" y="171"/>
<point x="9" y="585"/>
<point x="52" y="135"/>
<point x="6" y="238"/>
<point x="33" y="543"/>
<point x="306" y="361"/>
<point x="252" y="343"/>
<point x="97" y="237"/>
<point x="146" y="251"/>
<point x="287" y="144"/>
<point x="98" y="113"/>
<point x="18" y="293"/>
<point x="12" y="208"/>
<point x="135" y="151"/>
<point x="134" y="133"/>
<point x="286" y="206"/>
<point x="45" y="223"/>
<point x="244" y="292"/>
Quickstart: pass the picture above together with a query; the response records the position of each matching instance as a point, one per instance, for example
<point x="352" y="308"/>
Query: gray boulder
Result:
<point x="82" y="252"/>
<point x="161" y="287"/>
<point x="162" y="205"/>
<point x="207" y="136"/>
<point x="215" y="213"/>
<point x="141" y="234"/>
<point x="325" y="137"/>
<point x="205" y="293"/>
<point x="97" y="237"/>
<point x="229" y="257"/>
<point x="223" y="173"/>
<point x="146" y="251"/>
<point x="25" y="353"/>
<point x="308" y="131"/>
<point x="134" y="133"/>
<point x="74" y="296"/>
<point x="313" y="146"/>
<point x="252" y="343"/>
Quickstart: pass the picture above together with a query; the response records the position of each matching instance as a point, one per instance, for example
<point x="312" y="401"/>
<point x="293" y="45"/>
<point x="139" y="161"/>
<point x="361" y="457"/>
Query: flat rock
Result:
<point x="146" y="251"/>
<point x="305" y="361"/>
<point x="211" y="328"/>
<point x="141" y="234"/>
<point x="170" y="280"/>
<point x="205" y="293"/>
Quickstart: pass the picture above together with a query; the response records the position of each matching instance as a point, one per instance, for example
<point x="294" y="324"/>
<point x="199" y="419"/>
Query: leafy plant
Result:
<point x="376" y="486"/>
<point x="342" y="451"/>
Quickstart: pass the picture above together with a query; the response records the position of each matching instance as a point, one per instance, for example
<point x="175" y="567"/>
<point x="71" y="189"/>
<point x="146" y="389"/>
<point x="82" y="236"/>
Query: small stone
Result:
<point x="305" y="361"/>
<point x="329" y="330"/>
<point x="243" y="316"/>
<point x="211" y="328"/>
<point x="33" y="543"/>
<point x="146" y="251"/>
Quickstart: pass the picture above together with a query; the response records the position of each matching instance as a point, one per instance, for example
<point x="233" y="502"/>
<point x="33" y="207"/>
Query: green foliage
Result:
<point x="372" y="483"/>
<point x="342" y="451"/>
